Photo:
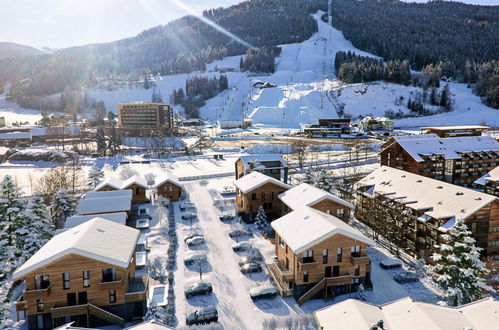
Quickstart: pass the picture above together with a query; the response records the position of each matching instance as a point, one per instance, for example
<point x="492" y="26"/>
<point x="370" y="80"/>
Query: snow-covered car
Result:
<point x="243" y="246"/>
<point x="197" y="240"/>
<point x="187" y="206"/>
<point x="197" y="289"/>
<point x="406" y="277"/>
<point x="195" y="257"/>
<point x="388" y="263"/>
<point x="268" y="234"/>
<point x="203" y="315"/>
<point x="189" y="216"/>
<point x="251" y="268"/>
<point x="192" y="235"/>
<point x="263" y="291"/>
<point x="240" y="233"/>
<point x="226" y="218"/>
<point x="253" y="258"/>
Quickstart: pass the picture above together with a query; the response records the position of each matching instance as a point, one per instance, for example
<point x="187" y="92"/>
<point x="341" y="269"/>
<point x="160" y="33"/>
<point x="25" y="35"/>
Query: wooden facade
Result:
<point x="455" y="131"/>
<point x="273" y="168"/>
<point x="91" y="291"/>
<point x="266" y="196"/>
<point x="169" y="190"/>
<point x="138" y="193"/>
<point x="328" y="206"/>
<point x="334" y="266"/>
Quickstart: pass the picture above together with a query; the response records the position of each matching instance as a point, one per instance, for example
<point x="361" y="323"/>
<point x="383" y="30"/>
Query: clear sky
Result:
<point x="64" y="23"/>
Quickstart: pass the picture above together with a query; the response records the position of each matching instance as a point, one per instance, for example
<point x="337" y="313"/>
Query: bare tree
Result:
<point x="54" y="180"/>
<point x="299" y="148"/>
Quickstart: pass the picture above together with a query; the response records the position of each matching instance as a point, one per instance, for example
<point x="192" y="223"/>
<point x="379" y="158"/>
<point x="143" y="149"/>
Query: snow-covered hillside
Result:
<point x="470" y="2"/>
<point x="14" y="113"/>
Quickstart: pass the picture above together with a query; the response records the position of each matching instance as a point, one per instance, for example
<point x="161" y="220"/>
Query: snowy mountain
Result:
<point x="470" y="2"/>
<point x="10" y="49"/>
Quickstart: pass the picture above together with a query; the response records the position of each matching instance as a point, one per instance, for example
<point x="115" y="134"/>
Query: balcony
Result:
<point x="111" y="284"/>
<point x="281" y="275"/>
<point x="359" y="260"/>
<point x="307" y="265"/>
<point x="37" y="294"/>
<point x="137" y="289"/>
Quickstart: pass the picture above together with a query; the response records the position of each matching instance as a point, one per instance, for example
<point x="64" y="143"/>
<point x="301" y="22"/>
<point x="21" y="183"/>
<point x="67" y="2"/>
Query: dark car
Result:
<point x="243" y="246"/>
<point x="389" y="263"/>
<point x="269" y="234"/>
<point x="188" y="216"/>
<point x="226" y="218"/>
<point x="240" y="233"/>
<point x="406" y="277"/>
<point x="253" y="258"/>
<point x="195" y="258"/>
<point x="198" y="289"/>
<point x="203" y="315"/>
<point x="187" y="206"/>
<point x="264" y="291"/>
<point x="251" y="268"/>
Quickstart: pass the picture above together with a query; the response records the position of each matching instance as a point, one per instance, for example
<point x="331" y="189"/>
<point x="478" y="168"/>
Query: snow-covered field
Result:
<point x="14" y="113"/>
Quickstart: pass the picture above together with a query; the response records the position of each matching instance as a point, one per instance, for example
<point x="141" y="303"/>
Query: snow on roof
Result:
<point x="308" y="195"/>
<point x="445" y="128"/>
<point x="493" y="175"/>
<point x="166" y="177"/>
<point x="4" y="150"/>
<point x="415" y="137"/>
<point x="149" y="325"/>
<point x="104" y="205"/>
<point x="407" y="314"/>
<point x="443" y="200"/>
<point x="119" y="217"/>
<point x="305" y="227"/>
<point x="109" y="193"/>
<point x="448" y="147"/>
<point x="112" y="182"/>
<point x="97" y="239"/>
<point x="15" y="136"/>
<point x="254" y="180"/>
<point x="247" y="160"/>
<point x="138" y="180"/>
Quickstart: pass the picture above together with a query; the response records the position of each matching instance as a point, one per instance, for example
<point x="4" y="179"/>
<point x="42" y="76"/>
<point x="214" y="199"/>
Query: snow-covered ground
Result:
<point x="14" y="113"/>
<point x="470" y="2"/>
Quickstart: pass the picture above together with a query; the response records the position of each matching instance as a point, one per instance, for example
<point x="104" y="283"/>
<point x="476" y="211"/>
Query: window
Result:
<point x="137" y="191"/>
<point x="355" y="280"/>
<point x="39" y="321"/>
<point x="263" y="196"/>
<point x="340" y="213"/>
<point x="324" y="256"/>
<point x="281" y="242"/>
<point x="86" y="278"/>
<point x="112" y="296"/>
<point x="108" y="275"/>
<point x="308" y="256"/>
<point x="356" y="251"/>
<point x="494" y="243"/>
<point x="271" y="195"/>
<point x="357" y="270"/>
<point x="40" y="307"/>
<point x="253" y="196"/>
<point x="473" y="228"/>
<point x="42" y="282"/>
<point x="65" y="281"/>
<point x="339" y="255"/>
<point x="305" y="276"/>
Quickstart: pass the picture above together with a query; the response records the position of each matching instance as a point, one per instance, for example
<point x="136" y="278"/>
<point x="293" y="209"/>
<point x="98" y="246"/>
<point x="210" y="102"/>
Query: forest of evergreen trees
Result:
<point x="448" y="40"/>
<point x="198" y="89"/>
<point x="260" y="60"/>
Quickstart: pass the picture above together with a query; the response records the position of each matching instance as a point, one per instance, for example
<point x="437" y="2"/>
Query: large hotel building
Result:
<point x="145" y="115"/>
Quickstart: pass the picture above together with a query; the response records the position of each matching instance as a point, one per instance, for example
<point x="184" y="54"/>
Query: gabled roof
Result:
<point x="407" y="314"/>
<point x="138" y="180"/>
<point x="109" y="193"/>
<point x="254" y="159"/>
<point x="97" y="239"/>
<point x="166" y="177"/>
<point x="450" y="147"/>
<point x="447" y="128"/>
<point x="408" y="137"/>
<point x="119" y="217"/>
<point x="441" y="199"/>
<point x="306" y="227"/>
<point x="493" y="175"/>
<point x="255" y="180"/>
<point x="149" y="325"/>
<point x="308" y="195"/>
<point x="104" y="205"/>
<point x="112" y="182"/>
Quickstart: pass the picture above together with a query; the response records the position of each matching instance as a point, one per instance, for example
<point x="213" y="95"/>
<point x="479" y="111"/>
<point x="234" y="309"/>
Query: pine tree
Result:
<point x="309" y="177"/>
<point x="261" y="218"/>
<point x="10" y="209"/>
<point x="94" y="177"/>
<point x="101" y="141"/>
<point x="62" y="206"/>
<point x="459" y="270"/>
<point x="114" y="141"/>
<point x="323" y="181"/>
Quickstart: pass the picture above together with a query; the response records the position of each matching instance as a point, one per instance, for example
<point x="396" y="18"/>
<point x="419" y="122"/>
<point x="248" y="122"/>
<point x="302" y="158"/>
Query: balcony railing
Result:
<point x="280" y="277"/>
<point x="111" y="283"/>
<point x="38" y="293"/>
<point x="137" y="289"/>
<point x="359" y="260"/>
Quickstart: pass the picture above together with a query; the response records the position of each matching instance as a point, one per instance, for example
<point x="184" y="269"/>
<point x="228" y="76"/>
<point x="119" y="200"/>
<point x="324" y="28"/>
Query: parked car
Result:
<point x="197" y="240"/>
<point x="269" y="234"/>
<point x="406" y="277"/>
<point x="243" y="246"/>
<point x="195" y="257"/>
<point x="189" y="216"/>
<point x="263" y="291"/>
<point x="197" y="289"/>
<point x="226" y="218"/>
<point x="253" y="258"/>
<point x="187" y="206"/>
<point x="203" y="315"/>
<point x="251" y="268"/>
<point x="192" y="235"/>
<point x="390" y="263"/>
<point x="240" y="233"/>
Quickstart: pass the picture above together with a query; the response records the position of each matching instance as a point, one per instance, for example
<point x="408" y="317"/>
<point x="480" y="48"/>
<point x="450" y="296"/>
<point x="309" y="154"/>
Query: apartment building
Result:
<point x="458" y="160"/>
<point x="414" y="211"/>
<point x="318" y="255"/>
<point x="489" y="182"/>
<point x="145" y="115"/>
<point x="84" y="275"/>
<point x="456" y="131"/>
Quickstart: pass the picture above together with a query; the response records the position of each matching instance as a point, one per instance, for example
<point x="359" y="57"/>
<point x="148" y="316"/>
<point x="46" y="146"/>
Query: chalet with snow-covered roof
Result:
<point x="85" y="274"/>
<point x="272" y="165"/>
<point x="256" y="189"/>
<point x="168" y="186"/>
<point x="407" y="314"/>
<point x="308" y="195"/>
<point x="100" y="205"/>
<point x="456" y="131"/>
<point x="318" y="255"/>
<point x="414" y="211"/>
<point x="489" y="182"/>
<point x="76" y="220"/>
<point x="459" y="160"/>
<point x="138" y="186"/>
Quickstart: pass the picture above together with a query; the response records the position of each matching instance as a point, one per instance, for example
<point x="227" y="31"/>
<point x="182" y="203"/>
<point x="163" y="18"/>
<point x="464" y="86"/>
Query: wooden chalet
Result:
<point x="168" y="186"/>
<point x="272" y="165"/>
<point x="456" y="160"/>
<point x="308" y="195"/>
<point x="318" y="255"/>
<point x="85" y="275"/>
<point x="414" y="211"/>
<point x="256" y="189"/>
<point x="136" y="184"/>
<point x="456" y="131"/>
